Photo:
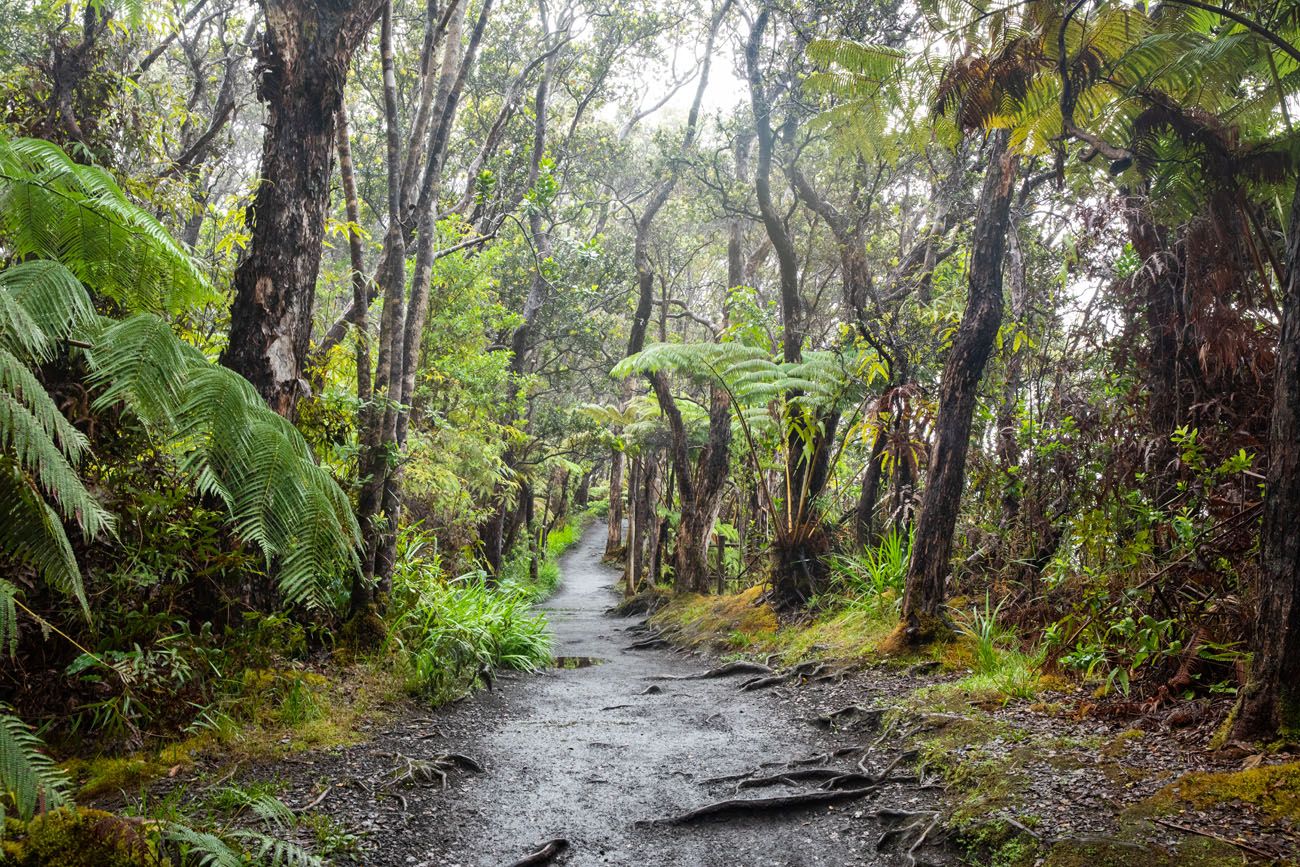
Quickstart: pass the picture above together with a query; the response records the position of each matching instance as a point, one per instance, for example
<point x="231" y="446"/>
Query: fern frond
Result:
<point x="206" y="850"/>
<point x="32" y="534"/>
<point x="27" y="774"/>
<point x="22" y="386"/>
<point x="8" y="617"/>
<point x="23" y="435"/>
<point x="275" y="852"/>
<point x="41" y="302"/>
<point x="56" y="209"/>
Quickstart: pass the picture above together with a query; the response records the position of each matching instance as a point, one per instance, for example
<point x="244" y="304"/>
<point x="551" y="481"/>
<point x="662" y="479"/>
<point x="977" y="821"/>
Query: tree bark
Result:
<point x="303" y="62"/>
<point x="1270" y="703"/>
<point x="614" y="534"/>
<point x="927" y="574"/>
<point x="361" y="597"/>
<point x="773" y="222"/>
<point x="1161" y="278"/>
<point x="865" y="514"/>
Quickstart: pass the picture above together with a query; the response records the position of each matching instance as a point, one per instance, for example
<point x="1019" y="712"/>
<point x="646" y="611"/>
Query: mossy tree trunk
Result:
<point x="927" y="575"/>
<point x="1270" y="703"/>
<point x="303" y="63"/>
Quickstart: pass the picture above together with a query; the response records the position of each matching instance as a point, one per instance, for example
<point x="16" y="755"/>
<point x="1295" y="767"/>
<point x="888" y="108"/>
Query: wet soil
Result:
<point x="591" y="750"/>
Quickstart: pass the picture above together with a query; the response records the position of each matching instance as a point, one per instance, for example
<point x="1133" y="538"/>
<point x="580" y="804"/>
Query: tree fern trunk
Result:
<point x="1270" y="704"/>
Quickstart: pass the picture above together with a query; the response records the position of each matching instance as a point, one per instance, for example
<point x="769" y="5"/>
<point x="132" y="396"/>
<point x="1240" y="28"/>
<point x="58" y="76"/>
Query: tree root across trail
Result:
<point x="564" y="759"/>
<point x="551" y="850"/>
<point x="837" y="784"/>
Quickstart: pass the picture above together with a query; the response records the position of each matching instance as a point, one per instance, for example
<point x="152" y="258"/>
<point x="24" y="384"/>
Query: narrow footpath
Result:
<point x="594" y="753"/>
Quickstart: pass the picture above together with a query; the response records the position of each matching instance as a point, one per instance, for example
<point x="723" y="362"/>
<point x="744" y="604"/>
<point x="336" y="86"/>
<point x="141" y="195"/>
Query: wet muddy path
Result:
<point x="590" y="750"/>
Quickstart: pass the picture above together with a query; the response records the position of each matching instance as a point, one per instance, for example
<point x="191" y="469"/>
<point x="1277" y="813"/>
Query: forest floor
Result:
<point x="595" y="751"/>
<point x="626" y="732"/>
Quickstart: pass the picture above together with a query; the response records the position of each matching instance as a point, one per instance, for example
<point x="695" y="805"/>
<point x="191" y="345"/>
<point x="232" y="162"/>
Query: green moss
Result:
<point x="1273" y="789"/>
<point x="996" y="843"/>
<point x="364" y="631"/>
<point x="82" y="838"/>
<point x="105" y="774"/>
<point x="1119" y="744"/>
<point x="714" y="620"/>
<point x="1122" y="852"/>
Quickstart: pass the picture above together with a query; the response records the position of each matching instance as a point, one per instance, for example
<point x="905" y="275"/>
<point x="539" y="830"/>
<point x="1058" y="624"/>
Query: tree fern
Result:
<point x="28" y="777"/>
<point x="55" y="209"/>
<point x="235" y="448"/>
<point x="32" y="534"/>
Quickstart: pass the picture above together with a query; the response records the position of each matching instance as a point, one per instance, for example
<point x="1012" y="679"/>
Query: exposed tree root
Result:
<point x="823" y="758"/>
<point x="425" y="772"/>
<point x="850" y="715"/>
<point x="544" y="855"/>
<point x="731" y="668"/>
<point x="314" y="801"/>
<point x="648" y="644"/>
<point x="791" y="777"/>
<point x="763" y="682"/>
<point x="920" y="826"/>
<point x="652" y="689"/>
<point x="758" y="806"/>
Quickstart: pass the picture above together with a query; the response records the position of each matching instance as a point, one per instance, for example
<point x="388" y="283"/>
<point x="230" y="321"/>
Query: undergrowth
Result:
<point x="445" y="633"/>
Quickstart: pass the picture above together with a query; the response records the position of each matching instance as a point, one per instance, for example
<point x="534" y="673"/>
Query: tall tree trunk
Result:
<point x="303" y="61"/>
<point x="375" y="500"/>
<point x="773" y="221"/>
<point x="927" y="573"/>
<point x="1270" y="703"/>
<point x="1007" y="444"/>
<point x="361" y="597"/>
<point x="631" y="562"/>
<point x="614" y="533"/>
<point x="1161" y="279"/>
<point x="865" y="515"/>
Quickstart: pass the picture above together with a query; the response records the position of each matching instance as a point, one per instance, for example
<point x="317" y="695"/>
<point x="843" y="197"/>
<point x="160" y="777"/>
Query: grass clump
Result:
<point x="447" y="633"/>
<point x="873" y="579"/>
<point x="739" y="620"/>
<point x="999" y="670"/>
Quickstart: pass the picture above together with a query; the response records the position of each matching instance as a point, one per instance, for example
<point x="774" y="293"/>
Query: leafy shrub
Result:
<point x="449" y="632"/>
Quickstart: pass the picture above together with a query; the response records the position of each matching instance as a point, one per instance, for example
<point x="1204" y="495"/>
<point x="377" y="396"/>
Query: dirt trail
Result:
<point x="586" y="753"/>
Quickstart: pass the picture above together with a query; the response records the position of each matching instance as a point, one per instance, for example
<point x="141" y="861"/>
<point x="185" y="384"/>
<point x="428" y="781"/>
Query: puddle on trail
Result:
<point x="576" y="661"/>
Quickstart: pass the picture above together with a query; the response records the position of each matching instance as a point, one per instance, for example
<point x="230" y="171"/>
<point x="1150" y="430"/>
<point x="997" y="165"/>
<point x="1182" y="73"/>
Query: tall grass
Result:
<point x="874" y="578"/>
<point x="998" y="664"/>
<point x="448" y="632"/>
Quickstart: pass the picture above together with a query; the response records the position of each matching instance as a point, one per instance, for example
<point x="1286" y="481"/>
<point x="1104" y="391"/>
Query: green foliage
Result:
<point x="27" y="776"/>
<point x="448" y="632"/>
<point x="876" y="576"/>
<point x="236" y="449"/>
<point x="76" y="234"/>
<point x="53" y="209"/>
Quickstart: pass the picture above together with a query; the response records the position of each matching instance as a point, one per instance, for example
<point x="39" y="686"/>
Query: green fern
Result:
<point x="234" y="848"/>
<point x="28" y="777"/>
<point x="235" y="448"/>
<point x="55" y="209"/>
